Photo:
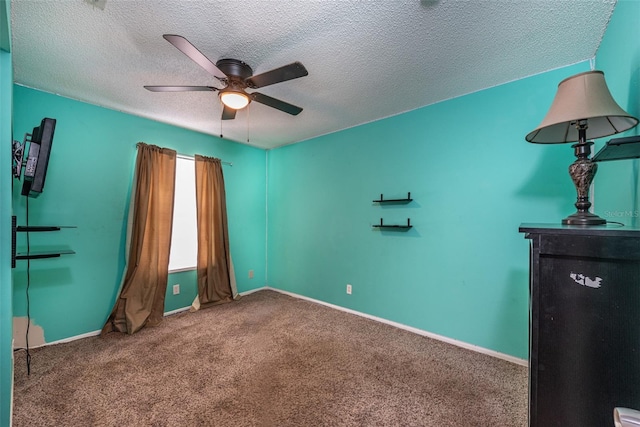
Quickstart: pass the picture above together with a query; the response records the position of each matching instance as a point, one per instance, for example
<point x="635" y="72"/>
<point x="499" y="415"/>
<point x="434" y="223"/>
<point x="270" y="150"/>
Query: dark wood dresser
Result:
<point x="584" y="336"/>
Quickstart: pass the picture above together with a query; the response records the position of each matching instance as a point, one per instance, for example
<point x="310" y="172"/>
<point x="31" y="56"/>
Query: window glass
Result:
<point x="184" y="237"/>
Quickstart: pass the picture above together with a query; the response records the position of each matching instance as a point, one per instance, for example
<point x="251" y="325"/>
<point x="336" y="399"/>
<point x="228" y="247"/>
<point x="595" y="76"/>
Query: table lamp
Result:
<point x="583" y="107"/>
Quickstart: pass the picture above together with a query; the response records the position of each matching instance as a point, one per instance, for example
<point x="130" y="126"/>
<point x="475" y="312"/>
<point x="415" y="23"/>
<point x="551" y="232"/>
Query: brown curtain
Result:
<point x="141" y="299"/>
<point x="215" y="271"/>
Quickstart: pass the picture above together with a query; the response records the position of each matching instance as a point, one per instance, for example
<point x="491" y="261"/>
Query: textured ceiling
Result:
<point x="366" y="59"/>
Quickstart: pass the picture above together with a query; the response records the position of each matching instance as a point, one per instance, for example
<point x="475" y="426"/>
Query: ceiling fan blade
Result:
<point x="196" y="56"/>
<point x="228" y="113"/>
<point x="277" y="75"/>
<point x="275" y="103"/>
<point x="179" y="88"/>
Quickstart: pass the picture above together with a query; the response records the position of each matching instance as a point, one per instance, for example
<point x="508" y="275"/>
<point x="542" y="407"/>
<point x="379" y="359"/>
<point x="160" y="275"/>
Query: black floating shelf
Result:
<point x="15" y="228"/>
<point x="394" y="226"/>
<point x="41" y="255"/>
<point x="619" y="149"/>
<point x="36" y="228"/>
<point x="398" y="201"/>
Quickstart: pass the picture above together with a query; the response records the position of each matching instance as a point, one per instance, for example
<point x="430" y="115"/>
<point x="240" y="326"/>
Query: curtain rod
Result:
<point x="190" y="157"/>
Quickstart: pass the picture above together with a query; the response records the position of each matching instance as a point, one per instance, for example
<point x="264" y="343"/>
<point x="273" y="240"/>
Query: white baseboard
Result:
<point x="73" y="338"/>
<point x="253" y="290"/>
<point x="462" y="344"/>
<point x="176" y="311"/>
<point x="96" y="333"/>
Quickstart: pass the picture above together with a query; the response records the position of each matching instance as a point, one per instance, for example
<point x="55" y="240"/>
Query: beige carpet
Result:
<point x="267" y="360"/>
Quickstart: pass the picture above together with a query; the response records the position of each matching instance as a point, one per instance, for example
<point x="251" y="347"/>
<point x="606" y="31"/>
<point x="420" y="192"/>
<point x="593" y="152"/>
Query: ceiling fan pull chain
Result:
<point x="248" y="117"/>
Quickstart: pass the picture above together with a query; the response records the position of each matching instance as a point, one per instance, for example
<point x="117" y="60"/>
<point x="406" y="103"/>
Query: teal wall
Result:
<point x="617" y="194"/>
<point x="462" y="271"/>
<point x="6" y="288"/>
<point x="88" y="186"/>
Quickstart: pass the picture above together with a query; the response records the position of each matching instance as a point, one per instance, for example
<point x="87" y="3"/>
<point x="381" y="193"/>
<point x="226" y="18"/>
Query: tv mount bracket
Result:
<point x="18" y="155"/>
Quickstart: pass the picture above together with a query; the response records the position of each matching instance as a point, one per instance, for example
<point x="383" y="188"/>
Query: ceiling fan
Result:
<point x="236" y="76"/>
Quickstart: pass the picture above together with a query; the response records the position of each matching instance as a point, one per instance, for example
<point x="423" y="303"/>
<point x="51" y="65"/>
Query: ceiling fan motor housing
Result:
<point x="234" y="68"/>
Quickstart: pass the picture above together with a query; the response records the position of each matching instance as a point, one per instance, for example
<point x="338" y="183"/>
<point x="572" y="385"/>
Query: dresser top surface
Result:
<point x="614" y="230"/>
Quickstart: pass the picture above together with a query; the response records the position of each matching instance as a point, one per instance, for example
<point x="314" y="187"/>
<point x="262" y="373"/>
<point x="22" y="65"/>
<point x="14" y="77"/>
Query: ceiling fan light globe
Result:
<point x="234" y="100"/>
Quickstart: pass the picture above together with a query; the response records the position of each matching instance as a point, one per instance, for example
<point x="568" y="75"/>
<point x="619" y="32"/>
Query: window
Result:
<point x="184" y="236"/>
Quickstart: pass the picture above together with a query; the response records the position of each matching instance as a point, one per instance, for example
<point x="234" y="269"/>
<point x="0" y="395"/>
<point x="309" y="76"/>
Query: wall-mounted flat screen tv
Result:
<point x="35" y="171"/>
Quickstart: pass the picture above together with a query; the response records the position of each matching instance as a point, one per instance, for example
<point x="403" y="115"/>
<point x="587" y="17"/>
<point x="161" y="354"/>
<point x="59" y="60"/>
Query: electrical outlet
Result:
<point x="250" y="274"/>
<point x="348" y="289"/>
<point x="176" y="289"/>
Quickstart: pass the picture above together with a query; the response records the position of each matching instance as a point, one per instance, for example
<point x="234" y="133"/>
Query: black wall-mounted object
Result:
<point x="397" y="227"/>
<point x="394" y="226"/>
<point x="584" y="352"/>
<point x="396" y="201"/>
<point x="35" y="169"/>
<point x="13" y="241"/>
<point x="619" y="149"/>
<point x="34" y="254"/>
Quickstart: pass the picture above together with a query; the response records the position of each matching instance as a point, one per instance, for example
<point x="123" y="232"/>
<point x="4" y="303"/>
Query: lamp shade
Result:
<point x="584" y="96"/>
<point x="234" y="99"/>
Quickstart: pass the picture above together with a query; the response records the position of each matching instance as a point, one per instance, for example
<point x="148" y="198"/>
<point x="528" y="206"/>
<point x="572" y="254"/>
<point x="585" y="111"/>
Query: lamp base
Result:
<point x="583" y="218"/>
<point x="582" y="172"/>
